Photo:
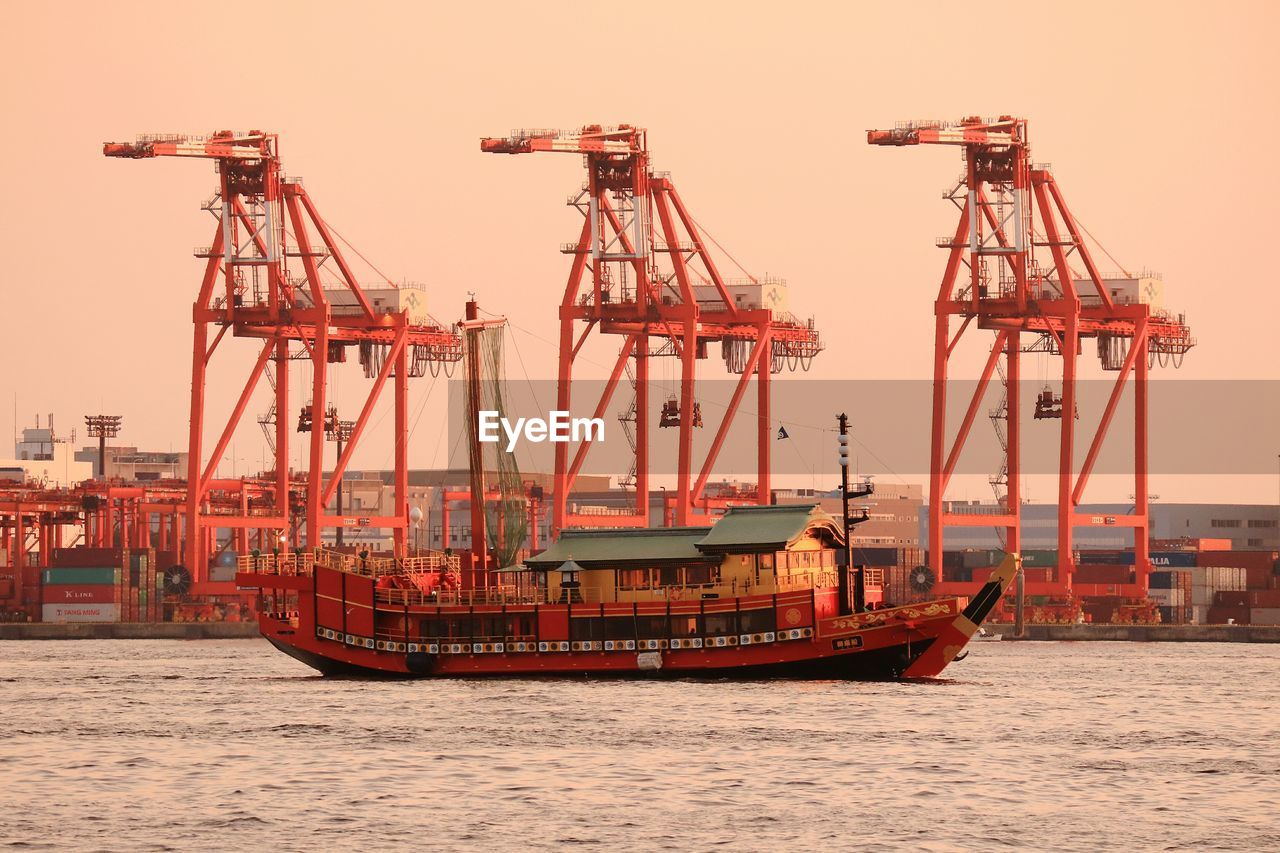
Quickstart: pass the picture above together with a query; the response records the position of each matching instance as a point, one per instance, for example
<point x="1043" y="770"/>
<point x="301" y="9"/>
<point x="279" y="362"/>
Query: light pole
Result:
<point x="103" y="427"/>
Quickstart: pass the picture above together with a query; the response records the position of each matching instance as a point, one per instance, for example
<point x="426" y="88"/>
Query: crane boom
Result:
<point x="222" y="145"/>
<point x="1004" y="131"/>
<point x="592" y="139"/>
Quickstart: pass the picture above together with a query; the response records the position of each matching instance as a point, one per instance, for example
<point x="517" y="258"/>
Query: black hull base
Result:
<point x="886" y="664"/>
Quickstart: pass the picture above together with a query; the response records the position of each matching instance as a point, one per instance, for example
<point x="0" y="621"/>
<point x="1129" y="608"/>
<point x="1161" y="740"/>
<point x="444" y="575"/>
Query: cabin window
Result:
<point x="685" y="626"/>
<point x="455" y="630"/>
<point x="699" y="575"/>
<point x="633" y="578"/>
<point x="669" y="576"/>
<point x="619" y="628"/>
<point x="766" y="561"/>
<point x="756" y="621"/>
<point x="585" y="629"/>
<point x="520" y="627"/>
<point x="490" y="627"/>
<point x="651" y="627"/>
<point x="719" y="624"/>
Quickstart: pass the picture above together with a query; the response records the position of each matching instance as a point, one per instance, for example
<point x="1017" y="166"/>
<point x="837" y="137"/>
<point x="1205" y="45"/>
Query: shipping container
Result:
<point x="1170" y="579"/>
<point x="983" y="558"/>
<point x="1172" y="559"/>
<point x="79" y="613"/>
<point x="1264" y="616"/>
<point x="1210" y="579"/>
<point x="86" y="557"/>
<point x="1101" y="557"/>
<point x="1264" y="598"/>
<point x="80" y="594"/>
<point x="1040" y="559"/>
<point x="1238" y="559"/>
<point x="1108" y="574"/>
<point x="1167" y="597"/>
<point x="1220" y="615"/>
<point x="80" y="576"/>
<point x="1258" y="577"/>
<point x="911" y="555"/>
<point x="1231" y="598"/>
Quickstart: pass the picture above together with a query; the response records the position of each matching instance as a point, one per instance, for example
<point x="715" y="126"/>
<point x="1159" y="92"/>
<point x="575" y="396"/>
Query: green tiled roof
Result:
<point x="643" y="544"/>
<point x="742" y="528"/>
<point x="755" y="527"/>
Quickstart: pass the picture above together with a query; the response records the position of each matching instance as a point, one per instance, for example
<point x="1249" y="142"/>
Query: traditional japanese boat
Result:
<point x="757" y="595"/>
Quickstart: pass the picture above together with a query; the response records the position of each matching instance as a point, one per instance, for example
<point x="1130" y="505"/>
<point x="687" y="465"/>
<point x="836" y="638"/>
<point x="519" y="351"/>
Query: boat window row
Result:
<point x="649" y="578"/>
<point x="677" y="625"/>
<point x="497" y="627"/>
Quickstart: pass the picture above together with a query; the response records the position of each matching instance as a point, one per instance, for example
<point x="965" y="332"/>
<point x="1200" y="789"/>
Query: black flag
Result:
<point x="782" y="433"/>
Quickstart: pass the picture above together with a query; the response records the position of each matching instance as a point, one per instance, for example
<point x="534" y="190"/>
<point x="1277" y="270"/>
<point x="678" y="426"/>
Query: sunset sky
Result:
<point x="1159" y="119"/>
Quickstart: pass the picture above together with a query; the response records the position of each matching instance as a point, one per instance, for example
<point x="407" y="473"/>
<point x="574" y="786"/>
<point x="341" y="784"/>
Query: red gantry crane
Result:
<point x="641" y="269"/>
<point x="262" y="281"/>
<point x="995" y="279"/>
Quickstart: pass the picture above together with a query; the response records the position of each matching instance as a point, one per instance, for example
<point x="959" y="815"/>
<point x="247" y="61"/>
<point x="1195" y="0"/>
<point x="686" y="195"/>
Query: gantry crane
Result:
<point x="1011" y="289"/>
<point x="262" y="280"/>
<point x="660" y="283"/>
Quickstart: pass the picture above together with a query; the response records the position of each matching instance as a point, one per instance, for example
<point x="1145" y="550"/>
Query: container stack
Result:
<point x="1248" y="591"/>
<point x="80" y="594"/>
<point x="876" y="557"/>
<point x="897" y="586"/>
<point x="1219" y="593"/>
<point x="1171" y="590"/>
<point x="100" y="585"/>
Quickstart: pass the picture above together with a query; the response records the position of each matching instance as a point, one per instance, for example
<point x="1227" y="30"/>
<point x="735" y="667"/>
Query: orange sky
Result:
<point x="1158" y="117"/>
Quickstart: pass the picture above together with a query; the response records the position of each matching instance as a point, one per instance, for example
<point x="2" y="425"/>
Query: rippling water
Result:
<point x="154" y="745"/>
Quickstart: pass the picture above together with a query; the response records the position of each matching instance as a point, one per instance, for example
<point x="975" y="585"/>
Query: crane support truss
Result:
<point x="994" y="280"/>
<point x="262" y="281"/>
<point x="641" y="270"/>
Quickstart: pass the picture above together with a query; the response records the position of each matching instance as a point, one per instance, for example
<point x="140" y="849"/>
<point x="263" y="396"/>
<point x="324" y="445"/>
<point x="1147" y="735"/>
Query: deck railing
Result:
<point x="304" y="563"/>
<point x="512" y="594"/>
<point x="464" y="597"/>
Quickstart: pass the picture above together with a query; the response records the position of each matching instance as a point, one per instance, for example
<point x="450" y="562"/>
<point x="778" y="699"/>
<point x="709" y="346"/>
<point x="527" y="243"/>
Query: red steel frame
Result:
<point x="261" y="297"/>
<point x="108" y="514"/>
<point x="997" y="221"/>
<point x="617" y="243"/>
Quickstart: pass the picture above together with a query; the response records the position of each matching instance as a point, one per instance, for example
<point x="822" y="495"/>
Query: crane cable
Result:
<point x="709" y="236"/>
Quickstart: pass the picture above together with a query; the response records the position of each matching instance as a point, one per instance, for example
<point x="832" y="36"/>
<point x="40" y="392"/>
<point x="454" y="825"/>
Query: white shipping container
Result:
<point x="1264" y="616"/>
<point x="1220" y="578"/>
<point x="1167" y="597"/>
<point x="1199" y="615"/>
<point x="80" y="613"/>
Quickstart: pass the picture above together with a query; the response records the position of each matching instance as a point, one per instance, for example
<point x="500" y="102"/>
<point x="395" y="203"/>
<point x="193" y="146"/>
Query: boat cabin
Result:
<point x="755" y="550"/>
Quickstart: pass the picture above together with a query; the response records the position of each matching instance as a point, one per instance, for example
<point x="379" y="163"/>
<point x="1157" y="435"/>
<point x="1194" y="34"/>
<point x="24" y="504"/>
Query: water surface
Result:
<point x="229" y="744"/>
